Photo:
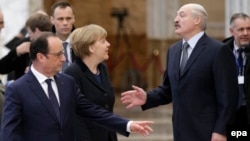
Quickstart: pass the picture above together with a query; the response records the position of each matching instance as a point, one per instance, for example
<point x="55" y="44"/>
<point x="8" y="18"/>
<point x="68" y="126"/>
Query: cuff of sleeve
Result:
<point x="128" y="126"/>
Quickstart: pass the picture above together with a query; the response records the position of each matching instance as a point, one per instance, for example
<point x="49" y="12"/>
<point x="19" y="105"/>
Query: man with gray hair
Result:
<point x="239" y="44"/>
<point x="199" y="79"/>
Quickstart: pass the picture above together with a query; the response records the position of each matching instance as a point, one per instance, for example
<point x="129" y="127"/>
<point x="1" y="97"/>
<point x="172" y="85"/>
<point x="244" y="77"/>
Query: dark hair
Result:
<point x="40" y="45"/>
<point x="61" y="4"/>
<point x="40" y="21"/>
<point x="238" y="16"/>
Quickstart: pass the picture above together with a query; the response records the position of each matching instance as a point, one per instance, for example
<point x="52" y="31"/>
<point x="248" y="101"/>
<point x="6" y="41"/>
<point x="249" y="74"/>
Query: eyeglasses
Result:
<point x="58" y="54"/>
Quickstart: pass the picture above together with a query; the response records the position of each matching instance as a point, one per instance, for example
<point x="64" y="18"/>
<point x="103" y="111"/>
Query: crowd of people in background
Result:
<point x="61" y="82"/>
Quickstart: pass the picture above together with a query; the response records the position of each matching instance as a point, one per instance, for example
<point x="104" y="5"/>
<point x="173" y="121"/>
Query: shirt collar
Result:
<point x="193" y="41"/>
<point x="39" y="76"/>
<point x="236" y="47"/>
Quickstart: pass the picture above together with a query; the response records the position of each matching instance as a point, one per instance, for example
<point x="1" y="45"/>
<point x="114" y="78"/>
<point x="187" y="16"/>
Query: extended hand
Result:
<point x="136" y="97"/>
<point x="218" y="137"/>
<point x="141" y="127"/>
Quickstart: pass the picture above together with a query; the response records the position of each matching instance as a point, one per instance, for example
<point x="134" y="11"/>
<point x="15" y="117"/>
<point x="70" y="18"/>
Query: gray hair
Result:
<point x="199" y="11"/>
<point x="238" y="16"/>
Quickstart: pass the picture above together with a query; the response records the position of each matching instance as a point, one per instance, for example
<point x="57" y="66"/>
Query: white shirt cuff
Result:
<point x="128" y="126"/>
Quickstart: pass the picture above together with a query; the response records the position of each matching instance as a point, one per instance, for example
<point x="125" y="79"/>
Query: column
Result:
<point x="234" y="6"/>
<point x="160" y="29"/>
<point x="160" y="17"/>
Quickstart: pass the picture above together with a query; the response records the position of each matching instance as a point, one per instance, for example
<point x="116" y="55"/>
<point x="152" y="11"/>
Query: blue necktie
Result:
<point x="240" y="73"/>
<point x="240" y="61"/>
<point x="53" y="99"/>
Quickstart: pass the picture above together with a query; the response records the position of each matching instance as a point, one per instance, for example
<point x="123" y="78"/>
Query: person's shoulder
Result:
<point x="64" y="76"/>
<point x="214" y="41"/>
<point x="177" y="43"/>
<point x="72" y="69"/>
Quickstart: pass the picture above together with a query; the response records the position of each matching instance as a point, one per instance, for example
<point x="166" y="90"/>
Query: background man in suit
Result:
<point x="35" y="109"/>
<point x="2" y="88"/>
<point x="240" y="31"/>
<point x="63" y="19"/>
<point x="204" y="92"/>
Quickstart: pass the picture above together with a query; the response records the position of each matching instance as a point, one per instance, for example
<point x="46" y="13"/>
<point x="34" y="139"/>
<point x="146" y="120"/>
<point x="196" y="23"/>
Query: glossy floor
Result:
<point x="160" y="115"/>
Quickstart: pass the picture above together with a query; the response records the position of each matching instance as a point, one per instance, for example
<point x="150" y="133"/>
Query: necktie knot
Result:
<point x="65" y="45"/>
<point x="48" y="81"/>
<point x="185" y="45"/>
<point x="240" y="50"/>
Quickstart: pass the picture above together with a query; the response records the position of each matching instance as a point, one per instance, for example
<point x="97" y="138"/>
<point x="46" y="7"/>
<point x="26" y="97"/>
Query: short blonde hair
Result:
<point x="81" y="38"/>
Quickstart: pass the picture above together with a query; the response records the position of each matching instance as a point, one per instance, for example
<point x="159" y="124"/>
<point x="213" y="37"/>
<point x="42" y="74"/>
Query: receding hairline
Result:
<point x="197" y="8"/>
<point x="236" y="16"/>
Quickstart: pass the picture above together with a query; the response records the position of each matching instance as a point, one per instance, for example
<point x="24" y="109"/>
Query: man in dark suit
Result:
<point x="63" y="19"/>
<point x="240" y="31"/>
<point x="204" y="91"/>
<point x="35" y="109"/>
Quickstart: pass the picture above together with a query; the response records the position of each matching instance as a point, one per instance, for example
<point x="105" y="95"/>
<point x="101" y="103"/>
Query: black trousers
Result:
<point x="241" y="116"/>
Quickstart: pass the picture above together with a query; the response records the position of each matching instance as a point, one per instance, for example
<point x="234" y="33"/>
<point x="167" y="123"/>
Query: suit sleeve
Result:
<point x="99" y="115"/>
<point x="226" y="84"/>
<point x="11" y="120"/>
<point x="161" y="95"/>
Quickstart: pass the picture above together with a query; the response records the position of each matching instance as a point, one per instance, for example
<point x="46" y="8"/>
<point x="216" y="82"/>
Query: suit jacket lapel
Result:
<point x="62" y="90"/>
<point x="199" y="47"/>
<point x="39" y="92"/>
<point x="89" y="75"/>
<point x="177" y="53"/>
<point x="93" y="80"/>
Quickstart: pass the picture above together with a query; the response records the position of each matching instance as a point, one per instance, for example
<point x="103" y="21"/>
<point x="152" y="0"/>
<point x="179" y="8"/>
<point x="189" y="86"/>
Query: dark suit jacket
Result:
<point x="100" y="94"/>
<point x="29" y="116"/>
<point x="12" y="62"/>
<point x="230" y="43"/>
<point x="205" y="96"/>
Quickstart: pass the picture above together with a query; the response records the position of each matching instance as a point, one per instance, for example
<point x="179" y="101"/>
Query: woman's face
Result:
<point x="100" y="49"/>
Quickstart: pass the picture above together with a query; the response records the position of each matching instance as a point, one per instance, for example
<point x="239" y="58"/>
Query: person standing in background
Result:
<point x="3" y="49"/>
<point x="239" y="43"/>
<point x="2" y="87"/>
<point x="91" y="49"/>
<point x="18" y="58"/>
<point x="63" y="19"/>
<point x="199" y="79"/>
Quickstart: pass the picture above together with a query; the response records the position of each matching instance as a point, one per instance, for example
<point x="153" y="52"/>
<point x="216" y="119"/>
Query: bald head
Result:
<point x="198" y="11"/>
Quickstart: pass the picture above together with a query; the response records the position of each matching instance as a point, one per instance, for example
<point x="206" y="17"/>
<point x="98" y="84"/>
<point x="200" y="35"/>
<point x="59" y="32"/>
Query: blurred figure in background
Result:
<point x="239" y="43"/>
<point x="91" y="49"/>
<point x="3" y="49"/>
<point x="63" y="19"/>
<point x="2" y="78"/>
<point x="18" y="59"/>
